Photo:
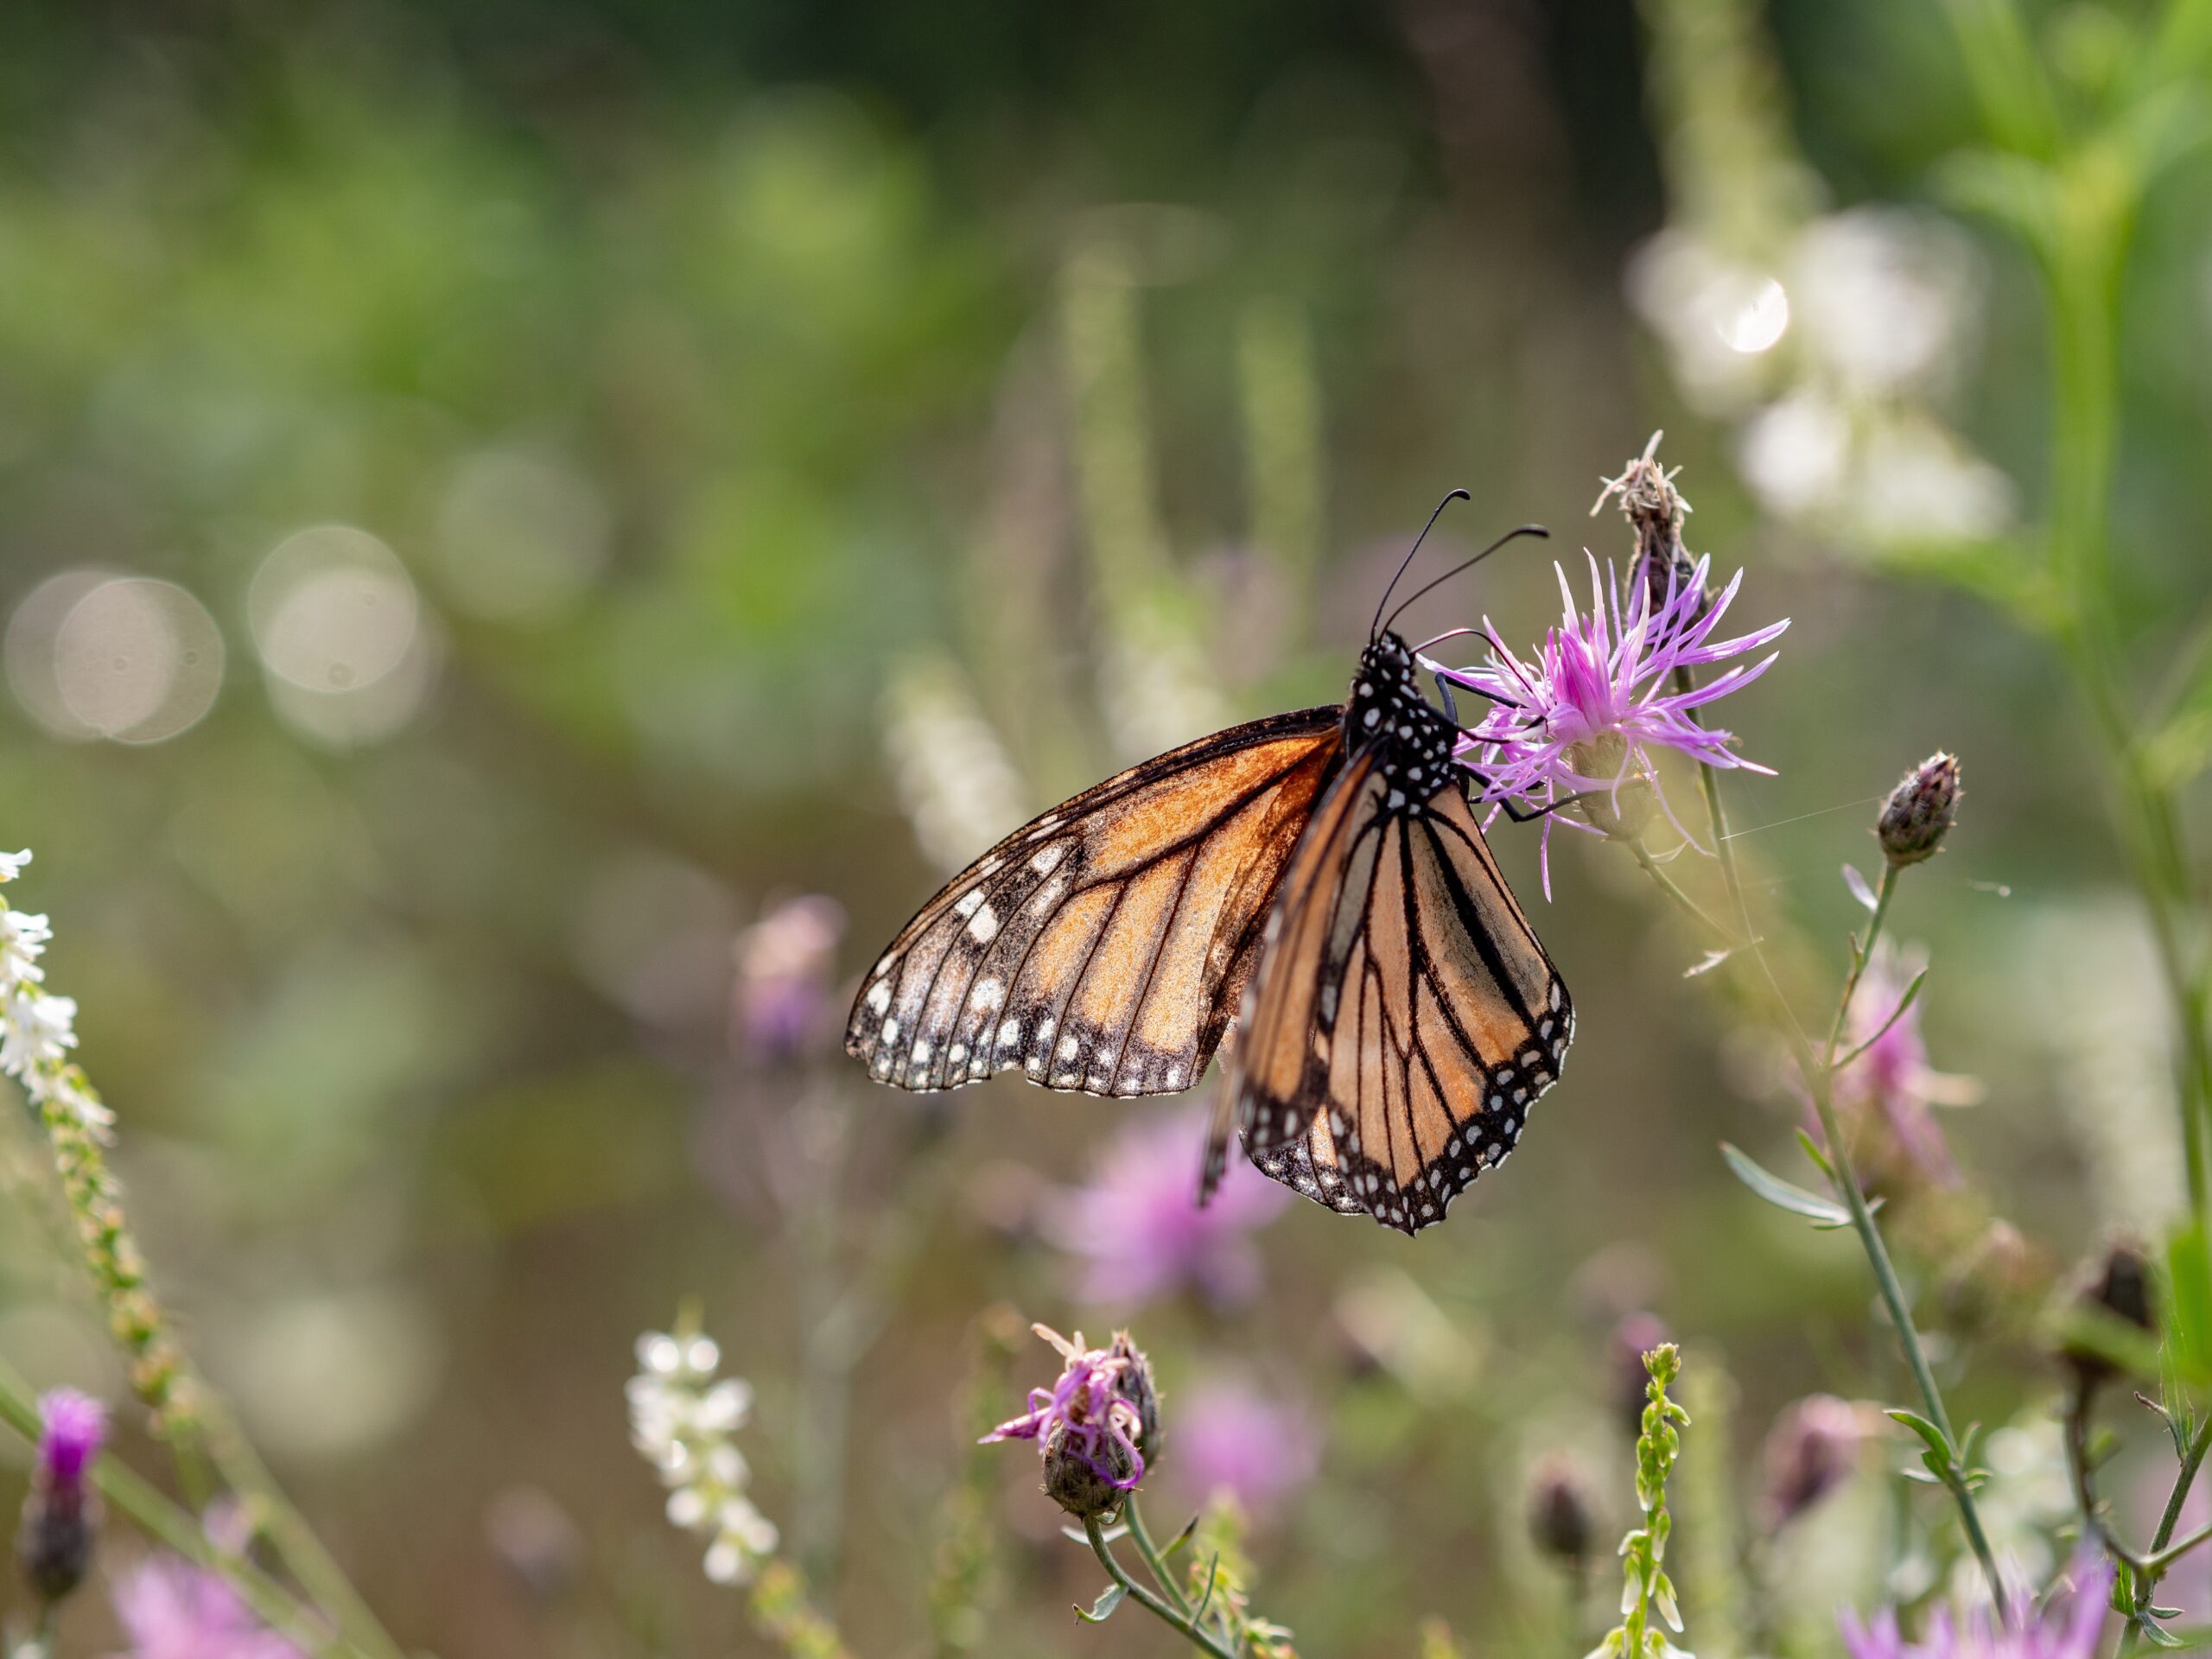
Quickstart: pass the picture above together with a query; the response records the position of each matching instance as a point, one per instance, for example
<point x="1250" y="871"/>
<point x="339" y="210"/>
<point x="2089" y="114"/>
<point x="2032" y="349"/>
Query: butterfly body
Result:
<point x="1318" y="878"/>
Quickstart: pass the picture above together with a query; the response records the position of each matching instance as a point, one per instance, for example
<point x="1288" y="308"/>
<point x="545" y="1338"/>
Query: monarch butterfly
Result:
<point x="1324" y="873"/>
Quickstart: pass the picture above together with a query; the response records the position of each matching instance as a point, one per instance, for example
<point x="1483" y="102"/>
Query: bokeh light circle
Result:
<point x="131" y="658"/>
<point x="332" y="610"/>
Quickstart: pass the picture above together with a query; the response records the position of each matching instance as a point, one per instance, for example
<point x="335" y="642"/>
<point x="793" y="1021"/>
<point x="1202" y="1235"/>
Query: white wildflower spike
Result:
<point x="37" y="1028"/>
<point x="681" y="1419"/>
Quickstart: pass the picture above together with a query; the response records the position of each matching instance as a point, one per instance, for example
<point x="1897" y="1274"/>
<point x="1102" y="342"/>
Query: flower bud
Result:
<point x="1811" y="1452"/>
<point x="62" y="1513"/>
<point x="1920" y="811"/>
<point x="1559" y="1511"/>
<point x="2120" y="1284"/>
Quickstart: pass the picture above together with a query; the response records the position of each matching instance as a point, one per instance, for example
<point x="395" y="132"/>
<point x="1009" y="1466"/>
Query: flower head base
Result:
<point x="61" y="1514"/>
<point x="1139" y="1232"/>
<point x="1588" y="712"/>
<point x="1920" y="811"/>
<point x="174" y="1610"/>
<point x="1090" y="1424"/>
<point x="2067" y="1627"/>
<point x="681" y="1419"/>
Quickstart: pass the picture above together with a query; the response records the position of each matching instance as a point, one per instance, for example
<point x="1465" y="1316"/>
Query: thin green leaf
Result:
<point x="1782" y="1194"/>
<point x="1939" y="1444"/>
<point x="1180" y="1538"/>
<point x="1819" y="1158"/>
<point x="1103" y="1609"/>
<point x="1911" y="992"/>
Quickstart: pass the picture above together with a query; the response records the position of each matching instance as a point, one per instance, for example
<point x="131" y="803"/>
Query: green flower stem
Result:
<point x="1819" y="1081"/>
<point x="2163" y="1551"/>
<point x="1153" y="1560"/>
<point x="176" y="1528"/>
<point x="1863" y="953"/>
<point x="1193" y="1631"/>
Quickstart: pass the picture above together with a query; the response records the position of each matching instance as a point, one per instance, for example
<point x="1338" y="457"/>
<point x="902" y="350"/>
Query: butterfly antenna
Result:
<point x="1510" y="535"/>
<point x="1406" y="563"/>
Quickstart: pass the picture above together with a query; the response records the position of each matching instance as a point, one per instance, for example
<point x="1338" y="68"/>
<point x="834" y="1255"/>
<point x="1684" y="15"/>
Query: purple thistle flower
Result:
<point x="1893" y="1082"/>
<point x="2066" y="1627"/>
<point x="73" y="1426"/>
<point x="1139" y="1230"/>
<point x="1587" y="714"/>
<point x="174" y="1610"/>
<point x="1086" y="1423"/>
<point x="1229" y="1436"/>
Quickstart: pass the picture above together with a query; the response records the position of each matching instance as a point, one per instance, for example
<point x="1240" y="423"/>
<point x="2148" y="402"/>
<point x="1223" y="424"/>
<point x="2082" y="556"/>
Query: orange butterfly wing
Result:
<point x="1103" y="946"/>
<point x="1404" y="1016"/>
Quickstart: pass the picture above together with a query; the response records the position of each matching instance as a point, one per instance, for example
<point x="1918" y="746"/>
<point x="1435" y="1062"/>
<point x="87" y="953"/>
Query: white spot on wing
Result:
<point x="989" y="992"/>
<point x="878" y="999"/>
<point x="1046" y="862"/>
<point x="983" y="927"/>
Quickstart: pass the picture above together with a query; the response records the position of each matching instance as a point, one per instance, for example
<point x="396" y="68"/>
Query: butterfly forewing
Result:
<point x="1104" y="946"/>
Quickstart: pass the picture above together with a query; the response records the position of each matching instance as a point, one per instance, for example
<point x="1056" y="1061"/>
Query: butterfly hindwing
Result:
<point x="1404" y="1016"/>
<point x="1103" y="946"/>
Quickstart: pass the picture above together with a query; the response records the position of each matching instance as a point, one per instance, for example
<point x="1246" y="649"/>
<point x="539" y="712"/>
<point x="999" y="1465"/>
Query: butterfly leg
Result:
<point x="1523" y="814"/>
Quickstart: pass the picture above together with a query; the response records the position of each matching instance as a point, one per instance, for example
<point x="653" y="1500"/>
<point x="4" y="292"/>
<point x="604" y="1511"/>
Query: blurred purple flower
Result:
<point x="2066" y="1627"/>
<point x="1586" y="713"/>
<point x="1084" y="1414"/>
<point x="1140" y="1231"/>
<point x="172" y="1609"/>
<point x="784" y="962"/>
<point x="1893" y="1082"/>
<point x="62" y="1515"/>
<point x="1811" y="1451"/>
<point x="72" y="1428"/>
<point x="1229" y="1436"/>
<point x="1634" y="1336"/>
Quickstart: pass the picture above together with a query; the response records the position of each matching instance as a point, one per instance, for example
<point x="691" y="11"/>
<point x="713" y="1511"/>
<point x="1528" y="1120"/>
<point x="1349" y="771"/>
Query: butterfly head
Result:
<point x="1386" y="706"/>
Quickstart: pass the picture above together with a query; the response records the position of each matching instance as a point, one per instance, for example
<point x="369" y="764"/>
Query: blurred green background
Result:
<point x="605" y="469"/>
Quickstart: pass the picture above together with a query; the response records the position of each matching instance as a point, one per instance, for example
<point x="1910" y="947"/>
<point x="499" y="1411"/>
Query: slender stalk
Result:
<point x="1863" y="952"/>
<point x="2153" y="1567"/>
<point x="1153" y="1560"/>
<point x="1819" y="1079"/>
<point x="1193" y="1631"/>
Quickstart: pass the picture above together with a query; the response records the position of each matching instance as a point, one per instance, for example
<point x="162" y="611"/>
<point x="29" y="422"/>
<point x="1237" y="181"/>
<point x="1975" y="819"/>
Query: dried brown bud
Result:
<point x="1558" y="1510"/>
<point x="1654" y="509"/>
<point x="1920" y="811"/>
<point x="2120" y="1284"/>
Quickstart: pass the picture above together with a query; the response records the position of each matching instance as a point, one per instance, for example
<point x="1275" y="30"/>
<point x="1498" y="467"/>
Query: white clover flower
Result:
<point x="681" y="1421"/>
